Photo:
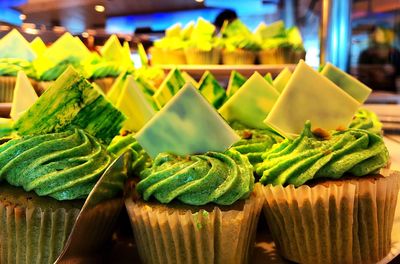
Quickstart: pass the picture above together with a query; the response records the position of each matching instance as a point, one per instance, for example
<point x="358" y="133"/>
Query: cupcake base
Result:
<point x="281" y="55"/>
<point x="238" y="57"/>
<point x="105" y="83"/>
<point x="175" y="57"/>
<point x="196" y="56"/>
<point x="33" y="229"/>
<point x="176" y="233"/>
<point x="349" y="221"/>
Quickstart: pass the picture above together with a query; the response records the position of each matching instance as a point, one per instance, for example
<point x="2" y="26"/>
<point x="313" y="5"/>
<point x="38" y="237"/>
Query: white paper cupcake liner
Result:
<point x="167" y="234"/>
<point x="334" y="222"/>
<point x="33" y="235"/>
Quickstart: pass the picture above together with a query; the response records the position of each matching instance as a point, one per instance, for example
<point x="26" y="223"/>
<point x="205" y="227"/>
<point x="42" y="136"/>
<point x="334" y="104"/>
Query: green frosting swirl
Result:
<point x="255" y="142"/>
<point x="367" y="120"/>
<point x="104" y="69"/>
<point x="54" y="72"/>
<point x="120" y="144"/>
<point x="221" y="178"/>
<point x="354" y="151"/>
<point x="11" y="67"/>
<point x="64" y="166"/>
<point x="242" y="42"/>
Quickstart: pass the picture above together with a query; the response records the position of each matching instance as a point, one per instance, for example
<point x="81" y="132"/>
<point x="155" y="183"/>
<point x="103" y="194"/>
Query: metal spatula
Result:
<point x="96" y="220"/>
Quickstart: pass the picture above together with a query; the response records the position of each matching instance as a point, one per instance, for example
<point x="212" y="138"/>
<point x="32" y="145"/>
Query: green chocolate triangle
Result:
<point x="251" y="104"/>
<point x="14" y="45"/>
<point x="282" y="79"/>
<point x="212" y="90"/>
<point x="268" y="78"/>
<point x="236" y="80"/>
<point x="71" y="102"/>
<point x="38" y="46"/>
<point x="169" y="87"/>
<point x="180" y="126"/>
<point x="348" y="83"/>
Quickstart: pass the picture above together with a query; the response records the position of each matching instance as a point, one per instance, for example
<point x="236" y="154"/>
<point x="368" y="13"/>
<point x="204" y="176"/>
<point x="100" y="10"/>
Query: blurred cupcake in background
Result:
<point x="279" y="45"/>
<point x="65" y="51"/>
<point x="38" y="46"/>
<point x="113" y="59"/>
<point x="240" y="44"/>
<point x="169" y="49"/>
<point x="15" y="55"/>
<point x="202" y="46"/>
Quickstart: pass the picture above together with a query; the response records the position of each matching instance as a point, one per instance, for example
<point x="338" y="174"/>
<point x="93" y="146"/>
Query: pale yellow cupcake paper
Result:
<point x="196" y="56"/>
<point x="105" y="83"/>
<point x="157" y="55"/>
<point x="165" y="234"/>
<point x="343" y="222"/>
<point x="238" y="57"/>
<point x="280" y="55"/>
<point x="33" y="235"/>
<point x="175" y="57"/>
<point x="7" y="84"/>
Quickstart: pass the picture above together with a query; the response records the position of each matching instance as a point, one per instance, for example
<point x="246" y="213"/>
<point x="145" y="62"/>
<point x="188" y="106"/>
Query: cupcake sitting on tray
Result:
<point x="240" y="44"/>
<point x="114" y="58"/>
<point x="15" y="55"/>
<point x="327" y="199"/>
<point x="51" y="165"/>
<point x="65" y="51"/>
<point x="197" y="202"/>
<point x="278" y="44"/>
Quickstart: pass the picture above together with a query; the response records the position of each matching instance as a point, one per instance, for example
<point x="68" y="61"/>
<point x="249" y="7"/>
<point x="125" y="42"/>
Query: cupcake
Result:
<point x="50" y="167"/>
<point x="115" y="58"/>
<point x="279" y="45"/>
<point x="187" y="207"/>
<point x="15" y="55"/>
<point x="169" y="49"/>
<point x="240" y="45"/>
<point x="202" y="47"/>
<point x="65" y="51"/>
<point x="325" y="198"/>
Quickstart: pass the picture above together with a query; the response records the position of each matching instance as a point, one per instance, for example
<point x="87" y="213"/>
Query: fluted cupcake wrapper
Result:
<point x="43" y="86"/>
<point x="157" y="55"/>
<point x="196" y="56"/>
<point x="346" y="222"/>
<point x="280" y="55"/>
<point x="105" y="83"/>
<point x="7" y="85"/>
<point x="238" y="57"/>
<point x="164" y="235"/>
<point x="175" y="57"/>
<point x="33" y="235"/>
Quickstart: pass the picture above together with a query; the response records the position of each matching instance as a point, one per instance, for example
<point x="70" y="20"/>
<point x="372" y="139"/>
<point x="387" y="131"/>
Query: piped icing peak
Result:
<point x="351" y="152"/>
<point x="63" y="165"/>
<point x="213" y="177"/>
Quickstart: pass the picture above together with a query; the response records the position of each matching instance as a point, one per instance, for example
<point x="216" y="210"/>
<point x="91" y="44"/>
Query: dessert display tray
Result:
<point x="224" y="71"/>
